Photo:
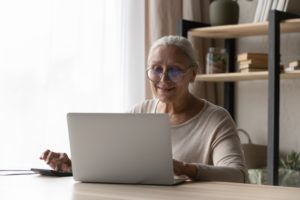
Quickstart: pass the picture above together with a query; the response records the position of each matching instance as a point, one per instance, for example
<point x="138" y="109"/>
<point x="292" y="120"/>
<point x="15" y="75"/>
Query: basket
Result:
<point x="255" y="154"/>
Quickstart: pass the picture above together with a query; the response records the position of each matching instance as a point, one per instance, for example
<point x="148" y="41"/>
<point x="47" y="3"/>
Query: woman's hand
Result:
<point x="178" y="167"/>
<point x="57" y="161"/>
<point x="182" y="168"/>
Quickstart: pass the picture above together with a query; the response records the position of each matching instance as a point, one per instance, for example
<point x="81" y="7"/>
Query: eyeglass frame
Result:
<point x="167" y="75"/>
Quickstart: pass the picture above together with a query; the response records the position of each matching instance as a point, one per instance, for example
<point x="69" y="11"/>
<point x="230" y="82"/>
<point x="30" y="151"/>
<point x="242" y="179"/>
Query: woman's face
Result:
<point x="173" y="66"/>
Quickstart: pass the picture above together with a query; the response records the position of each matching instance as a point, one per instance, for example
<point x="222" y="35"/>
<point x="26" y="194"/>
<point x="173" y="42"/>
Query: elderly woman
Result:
<point x="204" y="138"/>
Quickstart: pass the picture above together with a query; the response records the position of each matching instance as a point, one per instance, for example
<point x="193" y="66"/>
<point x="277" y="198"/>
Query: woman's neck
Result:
<point x="174" y="108"/>
<point x="180" y="112"/>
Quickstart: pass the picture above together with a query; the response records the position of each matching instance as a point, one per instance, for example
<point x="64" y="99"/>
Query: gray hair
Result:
<point x="178" y="41"/>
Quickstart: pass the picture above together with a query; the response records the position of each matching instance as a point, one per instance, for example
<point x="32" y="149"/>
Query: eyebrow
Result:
<point x="175" y="64"/>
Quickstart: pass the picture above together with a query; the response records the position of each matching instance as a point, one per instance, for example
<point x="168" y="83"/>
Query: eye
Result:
<point x="175" y="72"/>
<point x="157" y="69"/>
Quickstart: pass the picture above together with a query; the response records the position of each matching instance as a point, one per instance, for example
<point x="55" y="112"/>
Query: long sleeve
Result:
<point x="210" y="141"/>
<point x="228" y="162"/>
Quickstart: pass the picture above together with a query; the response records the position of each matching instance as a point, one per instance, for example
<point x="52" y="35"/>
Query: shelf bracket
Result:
<point x="184" y="26"/>
<point x="229" y="87"/>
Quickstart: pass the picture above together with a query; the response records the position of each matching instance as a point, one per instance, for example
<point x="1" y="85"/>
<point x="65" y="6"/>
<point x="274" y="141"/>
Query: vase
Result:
<point x="216" y="60"/>
<point x="222" y="12"/>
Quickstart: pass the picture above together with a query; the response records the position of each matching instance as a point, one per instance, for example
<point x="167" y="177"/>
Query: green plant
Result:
<point x="291" y="161"/>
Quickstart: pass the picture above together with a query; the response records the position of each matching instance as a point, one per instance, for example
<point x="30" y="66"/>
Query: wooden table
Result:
<point x="38" y="187"/>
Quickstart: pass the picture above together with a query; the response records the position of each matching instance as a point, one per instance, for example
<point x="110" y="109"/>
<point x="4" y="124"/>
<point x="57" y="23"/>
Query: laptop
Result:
<point x="121" y="148"/>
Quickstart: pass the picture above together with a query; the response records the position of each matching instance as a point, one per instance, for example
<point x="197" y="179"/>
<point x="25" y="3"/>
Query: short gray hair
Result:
<point x="178" y="41"/>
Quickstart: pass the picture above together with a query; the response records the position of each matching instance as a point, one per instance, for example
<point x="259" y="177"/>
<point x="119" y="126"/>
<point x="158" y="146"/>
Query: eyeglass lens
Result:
<point x="173" y="73"/>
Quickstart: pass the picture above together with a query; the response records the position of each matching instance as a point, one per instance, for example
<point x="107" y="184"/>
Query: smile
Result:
<point x="165" y="89"/>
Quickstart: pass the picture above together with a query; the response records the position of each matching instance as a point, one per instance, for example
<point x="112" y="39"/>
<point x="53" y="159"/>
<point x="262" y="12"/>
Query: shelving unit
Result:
<point x="242" y="30"/>
<point x="279" y="22"/>
<point x="237" y="76"/>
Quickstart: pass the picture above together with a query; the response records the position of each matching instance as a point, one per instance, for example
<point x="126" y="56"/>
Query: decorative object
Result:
<point x="294" y="65"/>
<point x="289" y="171"/>
<point x="291" y="161"/>
<point x="216" y="60"/>
<point x="222" y="12"/>
<point x="287" y="177"/>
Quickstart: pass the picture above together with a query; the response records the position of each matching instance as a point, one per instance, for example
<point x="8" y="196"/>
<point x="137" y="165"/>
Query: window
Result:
<point x="61" y="56"/>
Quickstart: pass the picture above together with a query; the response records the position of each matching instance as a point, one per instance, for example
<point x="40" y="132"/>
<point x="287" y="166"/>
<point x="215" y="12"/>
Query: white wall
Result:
<point x="252" y="96"/>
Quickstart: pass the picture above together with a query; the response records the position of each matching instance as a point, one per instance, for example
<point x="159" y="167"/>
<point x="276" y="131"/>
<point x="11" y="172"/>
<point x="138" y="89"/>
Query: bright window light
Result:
<point x="60" y="56"/>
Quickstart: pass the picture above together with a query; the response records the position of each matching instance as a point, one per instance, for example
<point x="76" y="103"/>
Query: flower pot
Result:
<point x="222" y="12"/>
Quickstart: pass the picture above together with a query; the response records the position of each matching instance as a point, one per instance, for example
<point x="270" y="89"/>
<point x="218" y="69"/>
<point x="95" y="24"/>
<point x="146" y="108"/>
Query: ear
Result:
<point x="194" y="73"/>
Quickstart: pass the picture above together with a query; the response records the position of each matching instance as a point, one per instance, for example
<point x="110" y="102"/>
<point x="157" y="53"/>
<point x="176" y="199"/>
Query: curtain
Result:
<point x="161" y="19"/>
<point x="63" y="56"/>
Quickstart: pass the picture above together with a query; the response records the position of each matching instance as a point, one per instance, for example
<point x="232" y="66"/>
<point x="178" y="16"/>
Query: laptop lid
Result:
<point x="121" y="148"/>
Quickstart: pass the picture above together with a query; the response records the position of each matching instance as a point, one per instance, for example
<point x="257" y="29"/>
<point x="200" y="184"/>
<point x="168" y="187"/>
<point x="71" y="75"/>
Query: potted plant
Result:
<point x="289" y="171"/>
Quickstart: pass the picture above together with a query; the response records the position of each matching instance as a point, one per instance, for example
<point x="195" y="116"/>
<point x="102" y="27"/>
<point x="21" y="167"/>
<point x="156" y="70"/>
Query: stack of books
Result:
<point x="252" y="62"/>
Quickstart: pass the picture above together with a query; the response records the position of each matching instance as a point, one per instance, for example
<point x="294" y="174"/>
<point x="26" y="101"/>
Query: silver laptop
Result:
<point x="121" y="148"/>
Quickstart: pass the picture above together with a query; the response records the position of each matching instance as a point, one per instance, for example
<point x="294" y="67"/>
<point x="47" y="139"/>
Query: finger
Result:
<point x="53" y="163"/>
<point x="66" y="168"/>
<point x="66" y="164"/>
<point x="177" y="165"/>
<point x="51" y="156"/>
<point x="63" y="156"/>
<point x="61" y="162"/>
<point x="68" y="161"/>
<point x="44" y="154"/>
<point x="58" y="166"/>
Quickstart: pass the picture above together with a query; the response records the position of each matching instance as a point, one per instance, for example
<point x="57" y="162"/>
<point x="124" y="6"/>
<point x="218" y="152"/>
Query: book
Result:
<point x="292" y="6"/>
<point x="252" y="56"/>
<point x="263" y="8"/>
<point x="246" y="70"/>
<point x="258" y="10"/>
<point x="267" y="10"/>
<point x="253" y="68"/>
<point x="274" y="5"/>
<point x="257" y="62"/>
<point x="286" y="3"/>
<point x="244" y="66"/>
<point x="280" y="5"/>
<point x="257" y="70"/>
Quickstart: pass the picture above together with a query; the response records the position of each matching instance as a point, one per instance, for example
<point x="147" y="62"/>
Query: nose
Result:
<point x="165" y="76"/>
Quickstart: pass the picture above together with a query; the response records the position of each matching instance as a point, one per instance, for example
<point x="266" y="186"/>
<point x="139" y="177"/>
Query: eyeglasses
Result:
<point x="174" y="74"/>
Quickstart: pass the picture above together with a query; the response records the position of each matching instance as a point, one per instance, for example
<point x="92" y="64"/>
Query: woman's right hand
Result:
<point x="57" y="161"/>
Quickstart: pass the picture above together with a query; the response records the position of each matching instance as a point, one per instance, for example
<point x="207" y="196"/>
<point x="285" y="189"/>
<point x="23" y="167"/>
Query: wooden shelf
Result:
<point x="237" y="76"/>
<point x="240" y="30"/>
<point x="255" y="29"/>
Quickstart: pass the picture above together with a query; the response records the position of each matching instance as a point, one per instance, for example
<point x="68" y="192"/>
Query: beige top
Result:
<point x="208" y="140"/>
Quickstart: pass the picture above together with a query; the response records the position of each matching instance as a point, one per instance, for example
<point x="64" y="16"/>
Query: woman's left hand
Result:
<point x="187" y="169"/>
<point x="178" y="167"/>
